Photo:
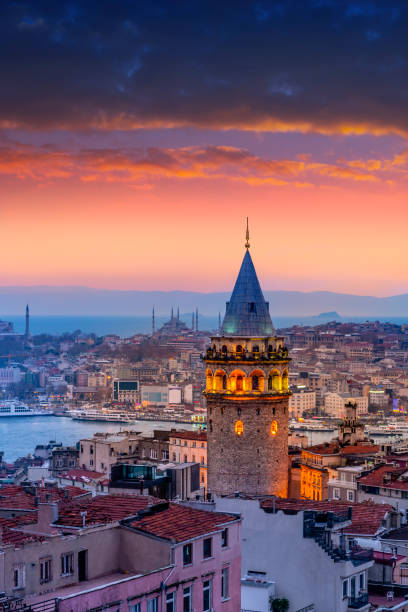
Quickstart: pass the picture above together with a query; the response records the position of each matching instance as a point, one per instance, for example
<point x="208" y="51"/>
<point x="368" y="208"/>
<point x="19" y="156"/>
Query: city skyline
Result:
<point x="148" y="139"/>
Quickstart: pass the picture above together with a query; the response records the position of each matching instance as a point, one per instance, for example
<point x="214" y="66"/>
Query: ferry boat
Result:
<point x="14" y="408"/>
<point x="105" y="417"/>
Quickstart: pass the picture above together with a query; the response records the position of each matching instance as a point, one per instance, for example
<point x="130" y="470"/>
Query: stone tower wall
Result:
<point x="255" y="462"/>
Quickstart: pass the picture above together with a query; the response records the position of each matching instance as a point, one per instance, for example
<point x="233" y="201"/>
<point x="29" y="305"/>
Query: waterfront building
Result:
<point x="126" y="390"/>
<point x="154" y="394"/>
<point x="302" y="400"/>
<point x="103" y="450"/>
<point x="247" y="393"/>
<point x="334" y="404"/>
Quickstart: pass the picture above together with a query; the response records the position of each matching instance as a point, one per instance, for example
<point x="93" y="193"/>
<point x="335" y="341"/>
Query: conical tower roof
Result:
<point x="247" y="313"/>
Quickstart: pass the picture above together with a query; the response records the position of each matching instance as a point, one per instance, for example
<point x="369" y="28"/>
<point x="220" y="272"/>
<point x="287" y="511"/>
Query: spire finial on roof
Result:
<point x="247" y="236"/>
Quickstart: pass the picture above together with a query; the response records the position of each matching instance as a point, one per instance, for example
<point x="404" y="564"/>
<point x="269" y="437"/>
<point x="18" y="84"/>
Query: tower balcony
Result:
<point x="281" y="354"/>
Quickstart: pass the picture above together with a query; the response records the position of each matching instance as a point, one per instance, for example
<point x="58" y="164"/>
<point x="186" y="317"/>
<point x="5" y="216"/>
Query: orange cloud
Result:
<point x="141" y="167"/>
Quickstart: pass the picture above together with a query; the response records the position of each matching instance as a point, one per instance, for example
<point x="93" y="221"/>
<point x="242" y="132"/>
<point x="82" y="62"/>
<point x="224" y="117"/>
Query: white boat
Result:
<point x="96" y="415"/>
<point x="14" y="408"/>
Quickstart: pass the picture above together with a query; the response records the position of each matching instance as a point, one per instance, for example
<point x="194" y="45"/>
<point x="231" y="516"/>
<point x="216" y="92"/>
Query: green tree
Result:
<point x="279" y="605"/>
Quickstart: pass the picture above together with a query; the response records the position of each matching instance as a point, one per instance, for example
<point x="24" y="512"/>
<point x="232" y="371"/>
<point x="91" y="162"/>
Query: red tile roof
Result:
<point x="360" y="449"/>
<point x="77" y="474"/>
<point x="190" y="435"/>
<point x="102" y="509"/>
<point x="180" y="523"/>
<point x="367" y="517"/>
<point x="16" y="497"/>
<point x="386" y="476"/>
<point x="329" y="448"/>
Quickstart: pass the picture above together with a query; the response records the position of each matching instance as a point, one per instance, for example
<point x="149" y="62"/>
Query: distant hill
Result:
<point x="45" y="300"/>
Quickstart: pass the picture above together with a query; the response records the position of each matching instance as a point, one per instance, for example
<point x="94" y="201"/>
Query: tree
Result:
<point x="279" y="605"/>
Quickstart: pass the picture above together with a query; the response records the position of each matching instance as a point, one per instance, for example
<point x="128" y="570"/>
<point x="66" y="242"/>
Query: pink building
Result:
<point x="124" y="553"/>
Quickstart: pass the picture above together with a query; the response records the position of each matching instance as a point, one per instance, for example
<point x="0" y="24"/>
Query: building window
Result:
<point x="135" y="608"/>
<point x="362" y="582"/>
<point x="153" y="605"/>
<point x="225" y="583"/>
<point x="153" y="453"/>
<point x="18" y="576"/>
<point x="345" y="588"/>
<point x="91" y="462"/>
<point x="187" y="554"/>
<point x="350" y="496"/>
<point x="239" y="428"/>
<point x="45" y="570"/>
<point x="171" y="602"/>
<point x="274" y="428"/>
<point x="207" y="548"/>
<point x="336" y="493"/>
<point x="188" y="599"/>
<point x="224" y="538"/>
<point x="67" y="564"/>
<point x="207" y="595"/>
<point x="185" y="458"/>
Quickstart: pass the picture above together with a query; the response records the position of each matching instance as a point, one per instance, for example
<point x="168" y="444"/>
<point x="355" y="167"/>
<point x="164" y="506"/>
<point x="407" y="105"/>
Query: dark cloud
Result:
<point x="313" y="65"/>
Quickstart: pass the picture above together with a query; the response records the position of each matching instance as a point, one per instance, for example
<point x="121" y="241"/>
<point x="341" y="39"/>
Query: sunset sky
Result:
<point x="135" y="138"/>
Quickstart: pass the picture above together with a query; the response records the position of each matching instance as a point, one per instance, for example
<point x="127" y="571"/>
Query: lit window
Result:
<point x="224" y="537"/>
<point x="187" y="554"/>
<point x="239" y="428"/>
<point x="274" y="428"/>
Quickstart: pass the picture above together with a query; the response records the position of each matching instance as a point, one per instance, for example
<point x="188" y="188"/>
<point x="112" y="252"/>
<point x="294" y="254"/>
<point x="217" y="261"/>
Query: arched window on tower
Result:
<point x="255" y="383"/>
<point x="240" y="383"/>
<point x="224" y="350"/>
<point x="239" y="428"/>
<point x="239" y="349"/>
<point x="224" y="381"/>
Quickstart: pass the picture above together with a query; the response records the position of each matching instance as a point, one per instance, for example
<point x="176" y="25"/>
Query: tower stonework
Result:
<point x="247" y="393"/>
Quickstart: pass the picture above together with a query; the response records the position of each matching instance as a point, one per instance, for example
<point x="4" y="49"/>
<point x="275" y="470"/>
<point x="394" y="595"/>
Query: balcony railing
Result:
<point x="355" y="603"/>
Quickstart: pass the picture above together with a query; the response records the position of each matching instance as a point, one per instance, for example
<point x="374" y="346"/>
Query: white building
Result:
<point x="9" y="376"/>
<point x="334" y="404"/>
<point x="302" y="400"/>
<point x="284" y="550"/>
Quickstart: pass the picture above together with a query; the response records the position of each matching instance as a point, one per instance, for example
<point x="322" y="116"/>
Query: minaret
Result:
<point x="178" y="313"/>
<point x="247" y="393"/>
<point x="196" y="320"/>
<point x="219" y="321"/>
<point x="192" y="321"/>
<point x="172" y="314"/>
<point x="27" y="322"/>
<point x="153" y="323"/>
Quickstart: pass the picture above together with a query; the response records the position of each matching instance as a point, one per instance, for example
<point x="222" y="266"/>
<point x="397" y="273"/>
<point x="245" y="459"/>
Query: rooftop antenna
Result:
<point x="247" y="236"/>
